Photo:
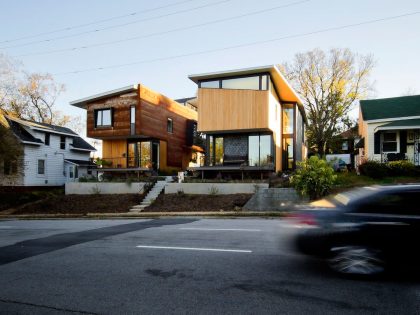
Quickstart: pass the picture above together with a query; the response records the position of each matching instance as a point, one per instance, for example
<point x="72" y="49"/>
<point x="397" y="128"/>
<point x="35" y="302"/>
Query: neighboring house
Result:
<point x="390" y="129"/>
<point x="342" y="147"/>
<point x="141" y="130"/>
<point x="52" y="155"/>
<point x="253" y="120"/>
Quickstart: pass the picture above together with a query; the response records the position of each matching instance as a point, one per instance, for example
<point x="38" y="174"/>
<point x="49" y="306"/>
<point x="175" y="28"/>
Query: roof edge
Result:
<point x="81" y="103"/>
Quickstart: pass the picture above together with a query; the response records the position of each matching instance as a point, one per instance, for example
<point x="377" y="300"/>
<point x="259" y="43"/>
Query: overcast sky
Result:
<point x="170" y="28"/>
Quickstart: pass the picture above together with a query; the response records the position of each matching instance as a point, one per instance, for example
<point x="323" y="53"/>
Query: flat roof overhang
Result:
<point x="404" y="124"/>
<point x="81" y="103"/>
<point x="286" y="93"/>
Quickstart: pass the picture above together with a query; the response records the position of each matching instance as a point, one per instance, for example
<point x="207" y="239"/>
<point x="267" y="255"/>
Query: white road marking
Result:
<point x="196" y="248"/>
<point x="210" y="229"/>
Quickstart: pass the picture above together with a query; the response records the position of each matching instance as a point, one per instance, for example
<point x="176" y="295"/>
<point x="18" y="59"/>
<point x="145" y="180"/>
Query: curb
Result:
<point x="130" y="215"/>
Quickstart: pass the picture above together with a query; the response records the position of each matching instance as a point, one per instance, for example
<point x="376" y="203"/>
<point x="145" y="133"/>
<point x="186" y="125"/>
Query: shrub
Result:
<point x="402" y="168"/>
<point x="374" y="169"/>
<point x="314" y="177"/>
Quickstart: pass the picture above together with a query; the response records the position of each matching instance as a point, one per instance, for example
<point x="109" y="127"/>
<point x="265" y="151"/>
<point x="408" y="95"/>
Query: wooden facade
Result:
<point x="152" y="111"/>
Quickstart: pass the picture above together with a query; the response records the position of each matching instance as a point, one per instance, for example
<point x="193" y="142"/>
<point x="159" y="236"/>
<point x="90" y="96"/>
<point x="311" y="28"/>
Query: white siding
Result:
<point x="54" y="161"/>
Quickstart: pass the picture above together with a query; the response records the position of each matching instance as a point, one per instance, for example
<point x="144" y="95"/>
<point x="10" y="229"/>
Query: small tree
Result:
<point x="314" y="177"/>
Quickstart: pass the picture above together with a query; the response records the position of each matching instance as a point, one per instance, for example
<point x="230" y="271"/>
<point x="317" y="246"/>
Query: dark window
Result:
<point x="170" y="125"/>
<point x="41" y="167"/>
<point x="71" y="172"/>
<point x="404" y="203"/>
<point x="76" y="171"/>
<point x="62" y="142"/>
<point x="389" y="143"/>
<point x="103" y="117"/>
<point x="47" y="139"/>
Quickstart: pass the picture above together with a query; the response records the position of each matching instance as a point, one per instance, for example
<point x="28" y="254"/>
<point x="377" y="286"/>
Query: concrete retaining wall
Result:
<point x="215" y="188"/>
<point x="273" y="199"/>
<point x="77" y="188"/>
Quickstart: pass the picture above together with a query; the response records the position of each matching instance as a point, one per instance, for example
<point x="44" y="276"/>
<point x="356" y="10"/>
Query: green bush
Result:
<point x="374" y="169"/>
<point x="314" y="177"/>
<point x="402" y="168"/>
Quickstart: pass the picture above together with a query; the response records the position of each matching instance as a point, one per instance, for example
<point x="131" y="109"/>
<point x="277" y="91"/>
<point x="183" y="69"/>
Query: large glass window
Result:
<point x="210" y="84"/>
<point x="287" y="120"/>
<point x="133" y="120"/>
<point x="247" y="83"/>
<point x="266" y="152"/>
<point x="103" y="118"/>
<point x="254" y="150"/>
<point x="132" y="160"/>
<point x="211" y="151"/>
<point x="145" y="154"/>
<point x="218" y="150"/>
<point x="288" y="153"/>
<point x="260" y="150"/>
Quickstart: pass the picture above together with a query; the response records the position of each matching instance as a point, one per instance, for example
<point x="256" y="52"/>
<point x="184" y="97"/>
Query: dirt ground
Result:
<point x="177" y="202"/>
<point x="81" y="204"/>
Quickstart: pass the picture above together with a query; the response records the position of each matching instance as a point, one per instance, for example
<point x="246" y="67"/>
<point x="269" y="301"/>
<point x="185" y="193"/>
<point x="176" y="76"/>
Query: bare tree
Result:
<point x="329" y="84"/>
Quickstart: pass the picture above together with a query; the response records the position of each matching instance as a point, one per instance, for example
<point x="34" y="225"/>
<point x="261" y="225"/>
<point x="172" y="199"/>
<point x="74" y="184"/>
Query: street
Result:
<point x="178" y="265"/>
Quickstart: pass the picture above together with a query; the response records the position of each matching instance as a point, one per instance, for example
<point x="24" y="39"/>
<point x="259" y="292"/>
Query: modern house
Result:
<point x="253" y="120"/>
<point x="390" y="129"/>
<point x="51" y="155"/>
<point x="141" y="130"/>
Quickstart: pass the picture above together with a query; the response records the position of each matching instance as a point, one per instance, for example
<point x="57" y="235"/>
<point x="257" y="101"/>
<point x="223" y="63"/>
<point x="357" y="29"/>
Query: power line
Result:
<point x="116" y="26"/>
<point x="163" y="32"/>
<point x="243" y="45"/>
<point x="68" y="28"/>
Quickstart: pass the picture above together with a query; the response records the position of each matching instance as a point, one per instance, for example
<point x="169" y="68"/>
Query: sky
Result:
<point x="176" y="38"/>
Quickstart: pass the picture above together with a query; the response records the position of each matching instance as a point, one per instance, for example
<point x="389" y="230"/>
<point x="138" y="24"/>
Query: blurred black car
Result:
<point x="363" y="231"/>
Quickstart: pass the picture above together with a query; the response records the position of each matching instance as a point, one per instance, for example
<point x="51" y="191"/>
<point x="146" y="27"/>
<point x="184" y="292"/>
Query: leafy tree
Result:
<point x="31" y="95"/>
<point x="329" y="84"/>
<point x="10" y="148"/>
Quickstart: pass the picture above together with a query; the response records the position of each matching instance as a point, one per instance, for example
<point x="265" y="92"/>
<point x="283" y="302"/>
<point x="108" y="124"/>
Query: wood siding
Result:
<point x="115" y="151"/>
<point x="152" y="112"/>
<point x="155" y="109"/>
<point x="121" y="116"/>
<point x="228" y="110"/>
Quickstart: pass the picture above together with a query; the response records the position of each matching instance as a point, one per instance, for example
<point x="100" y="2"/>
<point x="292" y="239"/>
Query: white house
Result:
<point x="52" y="155"/>
<point x="390" y="129"/>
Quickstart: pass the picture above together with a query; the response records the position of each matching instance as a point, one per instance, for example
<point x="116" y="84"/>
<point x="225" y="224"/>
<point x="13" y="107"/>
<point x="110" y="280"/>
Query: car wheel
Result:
<point x="356" y="260"/>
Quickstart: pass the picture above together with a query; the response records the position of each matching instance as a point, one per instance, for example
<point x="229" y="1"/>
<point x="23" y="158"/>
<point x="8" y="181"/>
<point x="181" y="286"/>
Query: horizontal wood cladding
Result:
<point x="115" y="151"/>
<point x="225" y="110"/>
<point x="121" y="116"/>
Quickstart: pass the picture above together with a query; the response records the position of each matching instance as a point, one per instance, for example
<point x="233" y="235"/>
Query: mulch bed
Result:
<point x="81" y="204"/>
<point x="198" y="203"/>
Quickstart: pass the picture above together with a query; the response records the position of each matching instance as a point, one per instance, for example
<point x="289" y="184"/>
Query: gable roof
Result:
<point x="22" y="134"/>
<point x="394" y="107"/>
<point x="43" y="126"/>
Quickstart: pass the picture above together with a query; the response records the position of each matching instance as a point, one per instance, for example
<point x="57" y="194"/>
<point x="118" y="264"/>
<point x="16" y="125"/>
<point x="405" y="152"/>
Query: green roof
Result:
<point x="403" y="123"/>
<point x="383" y="108"/>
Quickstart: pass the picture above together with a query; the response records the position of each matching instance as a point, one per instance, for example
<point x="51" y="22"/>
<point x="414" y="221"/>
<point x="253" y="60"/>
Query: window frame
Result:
<point x="99" y="112"/>
<point x="170" y="125"/>
<point x="261" y="77"/>
<point x="396" y="141"/>
<point x="43" y="167"/>
<point x="47" y="138"/>
<point x="62" y="142"/>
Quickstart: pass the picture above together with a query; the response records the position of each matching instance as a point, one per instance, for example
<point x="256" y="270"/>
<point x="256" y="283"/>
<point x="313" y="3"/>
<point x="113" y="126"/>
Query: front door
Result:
<point x="155" y="156"/>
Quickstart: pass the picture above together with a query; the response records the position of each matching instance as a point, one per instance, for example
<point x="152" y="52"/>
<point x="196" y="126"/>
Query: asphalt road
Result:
<point x="185" y="266"/>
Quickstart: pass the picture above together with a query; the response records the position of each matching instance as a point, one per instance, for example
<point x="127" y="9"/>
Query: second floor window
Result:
<point x="47" y="139"/>
<point x="170" y="125"/>
<point x="103" y="118"/>
<point x="62" y="142"/>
